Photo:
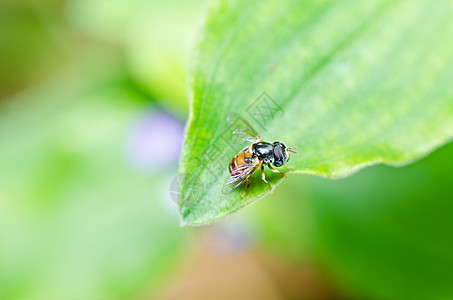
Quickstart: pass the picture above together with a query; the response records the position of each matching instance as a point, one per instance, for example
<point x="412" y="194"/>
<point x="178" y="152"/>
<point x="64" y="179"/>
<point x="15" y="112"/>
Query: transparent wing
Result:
<point x="246" y="136"/>
<point x="239" y="176"/>
<point x="241" y="129"/>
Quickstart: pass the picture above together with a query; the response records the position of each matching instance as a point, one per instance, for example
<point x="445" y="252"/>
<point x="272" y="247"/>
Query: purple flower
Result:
<point x="155" y="141"/>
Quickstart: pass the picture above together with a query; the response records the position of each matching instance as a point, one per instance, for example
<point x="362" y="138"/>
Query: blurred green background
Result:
<point x="93" y="100"/>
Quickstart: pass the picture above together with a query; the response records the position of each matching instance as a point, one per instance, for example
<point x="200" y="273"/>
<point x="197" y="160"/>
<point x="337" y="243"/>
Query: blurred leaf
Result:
<point x="30" y="44"/>
<point x="158" y="47"/>
<point x="358" y="83"/>
<point x="384" y="233"/>
<point x="77" y="221"/>
<point x="156" y="37"/>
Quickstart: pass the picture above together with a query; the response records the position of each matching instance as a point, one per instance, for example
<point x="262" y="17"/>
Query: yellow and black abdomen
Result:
<point x="244" y="157"/>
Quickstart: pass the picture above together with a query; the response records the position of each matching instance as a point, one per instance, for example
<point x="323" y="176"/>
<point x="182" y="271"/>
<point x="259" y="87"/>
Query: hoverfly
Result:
<point x="257" y="154"/>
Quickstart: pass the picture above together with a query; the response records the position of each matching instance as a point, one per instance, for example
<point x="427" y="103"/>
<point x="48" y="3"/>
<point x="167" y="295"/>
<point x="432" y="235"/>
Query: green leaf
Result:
<point x="354" y="84"/>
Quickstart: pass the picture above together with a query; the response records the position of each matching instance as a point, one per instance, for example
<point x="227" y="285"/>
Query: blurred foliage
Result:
<point x="30" y="43"/>
<point x="77" y="221"/>
<point x="155" y="35"/>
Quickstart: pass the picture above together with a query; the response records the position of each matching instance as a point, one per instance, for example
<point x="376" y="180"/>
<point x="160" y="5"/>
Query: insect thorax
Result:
<point x="264" y="151"/>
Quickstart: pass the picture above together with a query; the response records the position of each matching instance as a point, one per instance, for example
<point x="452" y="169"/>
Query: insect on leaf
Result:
<point x="350" y="83"/>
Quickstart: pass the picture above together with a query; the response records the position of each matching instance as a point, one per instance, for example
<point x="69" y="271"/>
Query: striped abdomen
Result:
<point x="244" y="157"/>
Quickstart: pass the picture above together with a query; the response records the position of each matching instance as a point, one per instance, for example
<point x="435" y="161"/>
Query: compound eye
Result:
<point x="278" y="152"/>
<point x="279" y="156"/>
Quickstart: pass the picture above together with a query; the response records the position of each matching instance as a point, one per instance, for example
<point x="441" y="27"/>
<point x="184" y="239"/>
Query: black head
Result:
<point x="281" y="155"/>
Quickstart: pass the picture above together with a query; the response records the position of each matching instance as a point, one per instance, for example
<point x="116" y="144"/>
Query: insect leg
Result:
<point x="277" y="171"/>
<point x="288" y="167"/>
<point x="263" y="176"/>
<point x="246" y="188"/>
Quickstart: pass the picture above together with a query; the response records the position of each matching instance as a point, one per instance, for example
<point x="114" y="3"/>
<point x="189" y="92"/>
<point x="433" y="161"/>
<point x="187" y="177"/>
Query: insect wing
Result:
<point x="239" y="176"/>
<point x="241" y="129"/>
<point x="247" y="137"/>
